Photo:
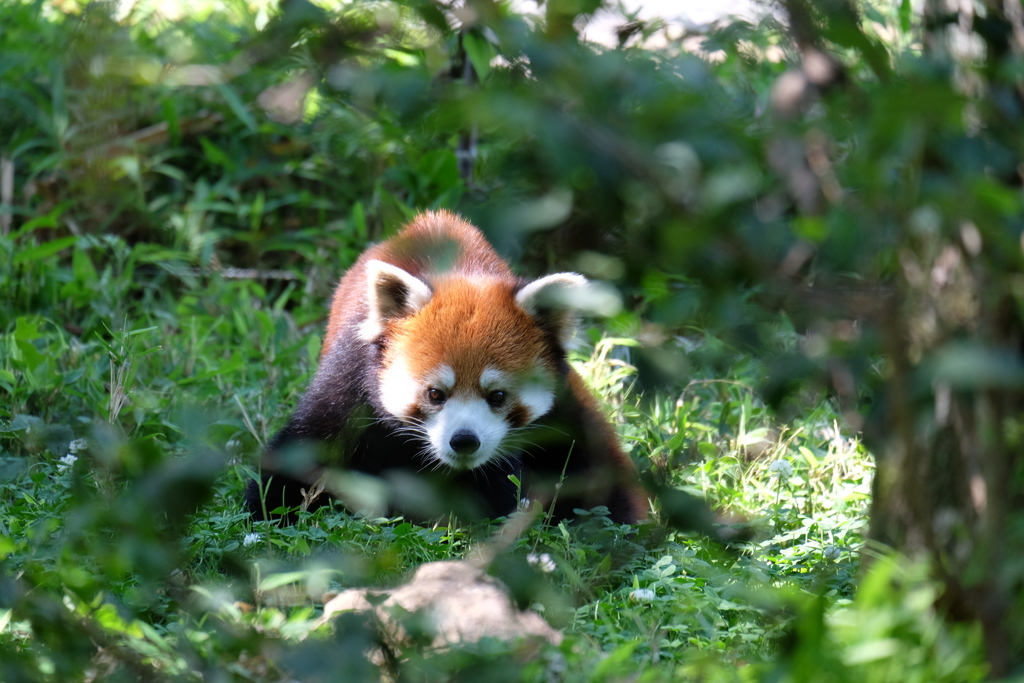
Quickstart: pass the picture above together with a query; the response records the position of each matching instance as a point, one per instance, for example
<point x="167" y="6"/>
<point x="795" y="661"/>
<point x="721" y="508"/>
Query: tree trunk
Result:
<point x="947" y="437"/>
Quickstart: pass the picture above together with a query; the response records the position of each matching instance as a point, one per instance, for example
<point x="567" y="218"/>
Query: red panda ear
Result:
<point x="550" y="301"/>
<point x="391" y="293"/>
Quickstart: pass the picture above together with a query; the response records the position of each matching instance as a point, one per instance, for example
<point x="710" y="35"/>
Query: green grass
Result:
<point x="134" y="406"/>
<point x="138" y="386"/>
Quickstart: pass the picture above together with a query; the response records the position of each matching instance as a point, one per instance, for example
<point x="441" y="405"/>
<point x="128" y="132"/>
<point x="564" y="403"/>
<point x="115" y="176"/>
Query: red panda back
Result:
<point x="439" y="241"/>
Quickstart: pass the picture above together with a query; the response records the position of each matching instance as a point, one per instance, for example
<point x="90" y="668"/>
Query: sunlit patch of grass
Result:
<point x="102" y="420"/>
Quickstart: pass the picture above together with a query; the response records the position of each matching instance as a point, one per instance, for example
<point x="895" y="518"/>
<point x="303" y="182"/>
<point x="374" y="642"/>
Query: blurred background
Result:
<point x="805" y="223"/>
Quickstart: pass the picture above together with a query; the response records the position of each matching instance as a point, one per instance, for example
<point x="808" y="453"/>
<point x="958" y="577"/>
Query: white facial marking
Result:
<point x="442" y="378"/>
<point x="398" y="389"/>
<point x="536" y="393"/>
<point x="471" y="415"/>
<point x="492" y="378"/>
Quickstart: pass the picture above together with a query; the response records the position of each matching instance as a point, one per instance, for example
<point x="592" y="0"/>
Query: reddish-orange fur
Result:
<point x="405" y="250"/>
<point x="471" y="326"/>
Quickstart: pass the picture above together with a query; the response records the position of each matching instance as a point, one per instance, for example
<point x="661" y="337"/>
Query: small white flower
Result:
<point x="78" y="445"/>
<point x="250" y="539"/>
<point x="781" y="469"/>
<point x="66" y="462"/>
<point x="642" y="595"/>
<point x="542" y="562"/>
<point x="832" y="553"/>
<point x="524" y="504"/>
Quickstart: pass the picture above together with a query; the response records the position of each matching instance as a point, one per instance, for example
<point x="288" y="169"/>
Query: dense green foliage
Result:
<point x="139" y="377"/>
<point x="102" y="547"/>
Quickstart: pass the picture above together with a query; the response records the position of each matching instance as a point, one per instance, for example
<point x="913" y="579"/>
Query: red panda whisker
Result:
<point x="424" y="453"/>
<point x="482" y="473"/>
<point x="515" y="440"/>
<point x="500" y="459"/>
<point x="404" y="427"/>
<point x="518" y="432"/>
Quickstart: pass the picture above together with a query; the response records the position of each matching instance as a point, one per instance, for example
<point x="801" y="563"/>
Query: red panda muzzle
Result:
<point x="439" y="360"/>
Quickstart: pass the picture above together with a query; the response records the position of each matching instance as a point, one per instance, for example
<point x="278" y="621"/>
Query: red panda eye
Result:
<point x="496" y="398"/>
<point x="436" y="396"/>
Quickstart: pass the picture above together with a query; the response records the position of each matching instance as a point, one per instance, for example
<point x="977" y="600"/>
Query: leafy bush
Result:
<point x="141" y="376"/>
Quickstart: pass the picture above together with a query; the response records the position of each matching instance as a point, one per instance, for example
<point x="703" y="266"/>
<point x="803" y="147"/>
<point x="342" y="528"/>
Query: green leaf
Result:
<point x="44" y="250"/>
<point x="256" y="211"/>
<point x="676" y="442"/>
<point x="707" y="449"/>
<point x="480" y="53"/>
<point x="401" y="57"/>
<point x="357" y="220"/>
<point x="47" y="221"/>
<point x="905" y="13"/>
<point x="313" y="346"/>
<point x="81" y="266"/>
<point x="997" y="196"/>
<point x="7" y="546"/>
<point x="619" y="660"/>
<point x="811" y="228"/>
<point x="27" y="329"/>
<point x="216" y="155"/>
<point x="237" y="106"/>
<point x="433" y="15"/>
<point x="170" y="112"/>
<point x="70" y="377"/>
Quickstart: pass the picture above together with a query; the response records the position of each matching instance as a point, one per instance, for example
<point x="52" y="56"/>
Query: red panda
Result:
<point x="438" y="359"/>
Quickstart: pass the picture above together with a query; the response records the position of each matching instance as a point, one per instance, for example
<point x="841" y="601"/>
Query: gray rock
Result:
<point x="460" y="604"/>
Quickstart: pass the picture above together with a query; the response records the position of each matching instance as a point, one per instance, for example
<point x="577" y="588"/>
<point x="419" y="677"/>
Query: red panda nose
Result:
<point x="464" y="442"/>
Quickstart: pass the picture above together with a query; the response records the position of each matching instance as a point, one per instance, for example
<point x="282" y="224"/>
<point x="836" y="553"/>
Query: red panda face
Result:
<point x="466" y="364"/>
